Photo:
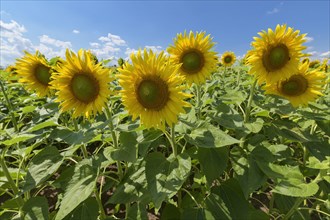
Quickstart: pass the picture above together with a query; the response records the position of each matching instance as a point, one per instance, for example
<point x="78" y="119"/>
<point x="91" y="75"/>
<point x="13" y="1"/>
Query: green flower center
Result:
<point x="228" y="59"/>
<point x="42" y="74"/>
<point x="85" y="88"/>
<point x="276" y="58"/>
<point x="152" y="93"/>
<point x="294" y="86"/>
<point x="192" y="61"/>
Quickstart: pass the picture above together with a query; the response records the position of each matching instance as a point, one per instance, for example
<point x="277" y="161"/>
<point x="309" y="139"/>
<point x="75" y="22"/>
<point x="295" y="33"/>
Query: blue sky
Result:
<point x="113" y="29"/>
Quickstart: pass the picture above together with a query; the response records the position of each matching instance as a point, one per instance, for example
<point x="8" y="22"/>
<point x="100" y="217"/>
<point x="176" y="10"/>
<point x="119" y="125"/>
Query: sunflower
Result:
<point x="275" y="56"/>
<point x="195" y="54"/>
<point x="314" y="64"/>
<point x="81" y="84"/>
<point x="35" y="73"/>
<point x="228" y="58"/>
<point x="152" y="89"/>
<point x="300" y="88"/>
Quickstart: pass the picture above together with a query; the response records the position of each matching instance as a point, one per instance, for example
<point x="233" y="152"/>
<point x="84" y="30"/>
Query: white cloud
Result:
<point x="325" y="54"/>
<point x="13" y="43"/>
<point x="309" y="39"/>
<point x="113" y="40"/>
<point x="313" y="53"/>
<point x="274" y="11"/>
<point x="76" y="31"/>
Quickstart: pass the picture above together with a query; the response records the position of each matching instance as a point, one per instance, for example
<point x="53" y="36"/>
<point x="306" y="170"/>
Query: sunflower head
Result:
<point x="228" y="58"/>
<point x="194" y="53"/>
<point x="305" y="60"/>
<point x="152" y="89"/>
<point x="275" y="55"/>
<point x="300" y="88"/>
<point x="314" y="64"/>
<point x="35" y="73"/>
<point x="82" y="85"/>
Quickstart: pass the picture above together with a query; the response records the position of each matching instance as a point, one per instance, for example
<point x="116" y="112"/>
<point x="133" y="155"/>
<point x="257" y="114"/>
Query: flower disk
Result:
<point x="228" y="58"/>
<point x="81" y="85"/>
<point x="152" y="89"/>
<point x="275" y="56"/>
<point x="194" y="54"/>
<point x="302" y="87"/>
<point x="34" y="73"/>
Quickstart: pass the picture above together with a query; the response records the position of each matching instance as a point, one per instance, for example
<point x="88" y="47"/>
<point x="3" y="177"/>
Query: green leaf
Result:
<point x="137" y="212"/>
<point x="325" y="126"/>
<point x="28" y="109"/>
<point x="128" y="148"/>
<point x="87" y="210"/>
<point x="247" y="172"/>
<point x="79" y="188"/>
<point x="255" y="126"/>
<point x="196" y="214"/>
<point x="36" y="208"/>
<point x="210" y="137"/>
<point x="228" y="202"/>
<point x="296" y="188"/>
<point x="43" y="125"/>
<point x="133" y="187"/>
<point x="42" y="166"/>
<point x="320" y="150"/>
<point x="19" y="138"/>
<point x="314" y="163"/>
<point x="213" y="161"/>
<point x="165" y="176"/>
<point x="70" y="137"/>
<point x="170" y="212"/>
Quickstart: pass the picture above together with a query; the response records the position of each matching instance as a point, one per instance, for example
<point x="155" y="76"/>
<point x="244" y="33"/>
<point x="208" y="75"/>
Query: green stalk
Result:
<point x="173" y="143"/>
<point x="10" y="107"/>
<point x="294" y="208"/>
<point x="83" y="146"/>
<point x="248" y="107"/>
<point x="99" y="202"/>
<point x="10" y="180"/>
<point x="114" y="139"/>
<point x="198" y="101"/>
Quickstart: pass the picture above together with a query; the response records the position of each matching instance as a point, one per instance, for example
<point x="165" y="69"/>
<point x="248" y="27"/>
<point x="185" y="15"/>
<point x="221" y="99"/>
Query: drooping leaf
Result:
<point x="165" y="176"/>
<point x="213" y="161"/>
<point x="87" y="210"/>
<point x="137" y="212"/>
<point x="42" y="166"/>
<point x="36" y="208"/>
<point x="210" y="137"/>
<point x="79" y="188"/>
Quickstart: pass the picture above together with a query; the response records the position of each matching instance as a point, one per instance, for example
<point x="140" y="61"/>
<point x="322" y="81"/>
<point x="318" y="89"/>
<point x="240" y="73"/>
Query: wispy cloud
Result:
<point x="13" y="43"/>
<point x="325" y="54"/>
<point x="309" y="39"/>
<point x="274" y="11"/>
<point x="76" y="31"/>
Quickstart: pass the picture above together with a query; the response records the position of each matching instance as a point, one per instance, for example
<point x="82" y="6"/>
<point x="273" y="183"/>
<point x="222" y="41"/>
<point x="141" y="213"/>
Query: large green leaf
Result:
<point x="42" y="166"/>
<point x="87" y="210"/>
<point x="165" y="176"/>
<point x="227" y="202"/>
<point x="79" y="188"/>
<point x="247" y="172"/>
<point x="137" y="212"/>
<point x="210" y="137"/>
<point x="127" y="149"/>
<point x="36" y="208"/>
<point x="18" y="138"/>
<point x="196" y="214"/>
<point x="213" y="161"/>
<point x="133" y="187"/>
<point x="43" y="125"/>
<point x="296" y="188"/>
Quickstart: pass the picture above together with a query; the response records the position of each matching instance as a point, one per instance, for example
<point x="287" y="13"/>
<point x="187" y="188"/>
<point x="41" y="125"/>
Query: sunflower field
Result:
<point x="182" y="134"/>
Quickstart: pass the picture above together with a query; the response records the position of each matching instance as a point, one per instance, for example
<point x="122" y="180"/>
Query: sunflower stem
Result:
<point x="173" y="144"/>
<point x="10" y="107"/>
<point x="114" y="139"/>
<point x="198" y="101"/>
<point x="248" y="107"/>
<point x="99" y="202"/>
<point x="9" y="179"/>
